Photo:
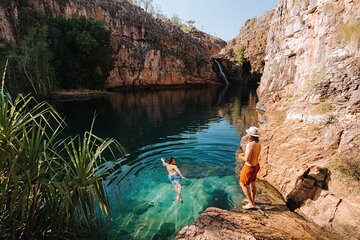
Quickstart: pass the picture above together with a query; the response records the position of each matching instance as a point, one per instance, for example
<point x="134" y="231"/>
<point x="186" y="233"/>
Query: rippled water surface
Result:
<point x="201" y="128"/>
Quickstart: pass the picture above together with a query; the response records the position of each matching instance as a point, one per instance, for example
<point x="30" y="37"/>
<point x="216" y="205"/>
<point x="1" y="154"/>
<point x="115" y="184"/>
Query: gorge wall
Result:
<point x="243" y="57"/>
<point x="311" y="129"/>
<point x="148" y="51"/>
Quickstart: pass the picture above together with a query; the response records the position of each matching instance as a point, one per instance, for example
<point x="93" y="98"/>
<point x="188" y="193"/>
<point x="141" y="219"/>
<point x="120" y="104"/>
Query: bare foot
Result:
<point x="249" y="206"/>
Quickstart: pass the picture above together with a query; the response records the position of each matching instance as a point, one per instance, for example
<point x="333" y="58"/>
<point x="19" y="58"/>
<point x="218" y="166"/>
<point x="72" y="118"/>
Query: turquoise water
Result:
<point x="201" y="128"/>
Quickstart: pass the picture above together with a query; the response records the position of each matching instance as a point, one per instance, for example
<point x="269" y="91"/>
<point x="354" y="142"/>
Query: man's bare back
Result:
<point x="172" y="169"/>
<point x="253" y="153"/>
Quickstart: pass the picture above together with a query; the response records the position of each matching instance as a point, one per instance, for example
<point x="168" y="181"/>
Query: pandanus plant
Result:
<point x="49" y="187"/>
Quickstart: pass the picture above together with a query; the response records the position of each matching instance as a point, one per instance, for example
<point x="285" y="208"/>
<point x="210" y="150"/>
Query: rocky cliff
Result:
<point x="310" y="130"/>
<point x="243" y="57"/>
<point x="267" y="222"/>
<point x="148" y="51"/>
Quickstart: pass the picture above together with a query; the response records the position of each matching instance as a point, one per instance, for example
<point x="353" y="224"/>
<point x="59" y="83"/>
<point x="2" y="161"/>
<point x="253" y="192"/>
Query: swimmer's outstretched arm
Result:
<point x="163" y="162"/>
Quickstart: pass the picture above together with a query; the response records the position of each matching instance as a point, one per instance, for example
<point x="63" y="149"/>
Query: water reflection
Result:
<point x="239" y="107"/>
<point x="138" y="118"/>
<point x="201" y="128"/>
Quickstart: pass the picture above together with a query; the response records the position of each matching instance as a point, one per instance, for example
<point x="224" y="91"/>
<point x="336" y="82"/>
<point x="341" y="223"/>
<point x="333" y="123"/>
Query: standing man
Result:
<point x="251" y="166"/>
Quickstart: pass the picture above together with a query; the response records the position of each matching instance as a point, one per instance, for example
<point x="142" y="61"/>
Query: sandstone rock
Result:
<point x="323" y="85"/>
<point x="272" y="221"/>
<point x="346" y="217"/>
<point x="253" y="39"/>
<point x="148" y="51"/>
<point x="322" y="212"/>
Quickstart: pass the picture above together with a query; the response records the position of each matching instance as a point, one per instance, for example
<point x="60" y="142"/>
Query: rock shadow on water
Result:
<point x="220" y="200"/>
<point x="166" y="231"/>
<point x="205" y="172"/>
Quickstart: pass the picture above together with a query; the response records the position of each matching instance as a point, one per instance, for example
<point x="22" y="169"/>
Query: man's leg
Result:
<point x="180" y="188"/>
<point x="253" y="191"/>
<point x="247" y="193"/>
<point x="178" y="191"/>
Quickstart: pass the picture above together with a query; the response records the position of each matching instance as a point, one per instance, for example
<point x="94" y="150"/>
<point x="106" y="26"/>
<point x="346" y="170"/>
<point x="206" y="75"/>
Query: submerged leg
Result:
<point x="178" y="192"/>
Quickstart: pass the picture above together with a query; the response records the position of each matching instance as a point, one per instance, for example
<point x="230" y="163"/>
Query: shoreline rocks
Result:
<point x="272" y="220"/>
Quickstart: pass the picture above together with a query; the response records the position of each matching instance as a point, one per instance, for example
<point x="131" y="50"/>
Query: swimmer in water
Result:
<point x="174" y="176"/>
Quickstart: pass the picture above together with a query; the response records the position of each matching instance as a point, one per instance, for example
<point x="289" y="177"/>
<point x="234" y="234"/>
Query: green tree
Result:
<point x="240" y="55"/>
<point x="190" y="23"/>
<point x="31" y="63"/>
<point x="82" y="50"/>
<point x="176" y="20"/>
<point x="147" y="5"/>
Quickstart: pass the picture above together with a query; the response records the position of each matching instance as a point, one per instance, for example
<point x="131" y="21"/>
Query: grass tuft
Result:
<point x="323" y="108"/>
<point x="348" y="167"/>
<point x="280" y="117"/>
<point x="350" y="32"/>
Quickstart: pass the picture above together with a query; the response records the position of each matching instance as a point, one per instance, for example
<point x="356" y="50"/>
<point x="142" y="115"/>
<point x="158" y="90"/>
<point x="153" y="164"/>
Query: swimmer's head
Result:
<point x="172" y="161"/>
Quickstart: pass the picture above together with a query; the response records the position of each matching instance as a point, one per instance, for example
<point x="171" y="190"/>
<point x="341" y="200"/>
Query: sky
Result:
<point x="222" y="18"/>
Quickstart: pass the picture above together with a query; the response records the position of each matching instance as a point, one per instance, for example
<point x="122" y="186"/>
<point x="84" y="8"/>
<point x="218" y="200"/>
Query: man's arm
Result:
<point x="163" y="162"/>
<point x="241" y="155"/>
<point x="247" y="155"/>
<point x="178" y="171"/>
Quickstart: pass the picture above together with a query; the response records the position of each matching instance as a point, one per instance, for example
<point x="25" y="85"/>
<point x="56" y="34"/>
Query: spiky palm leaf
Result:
<point x="47" y="185"/>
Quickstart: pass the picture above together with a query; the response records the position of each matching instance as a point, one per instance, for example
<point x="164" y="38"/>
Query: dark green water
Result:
<point x="201" y="128"/>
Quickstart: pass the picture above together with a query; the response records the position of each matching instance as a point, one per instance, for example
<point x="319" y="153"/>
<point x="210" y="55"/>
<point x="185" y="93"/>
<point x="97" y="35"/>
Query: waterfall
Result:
<point x="221" y="72"/>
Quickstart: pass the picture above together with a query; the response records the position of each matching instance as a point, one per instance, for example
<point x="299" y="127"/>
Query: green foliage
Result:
<point x="240" y="55"/>
<point x="51" y="53"/>
<point x="49" y="188"/>
<point x="31" y="64"/>
<point x="82" y="51"/>
<point x="323" y="108"/>
<point x="280" y="117"/>
<point x="350" y="168"/>
<point x="275" y="68"/>
<point x="314" y="128"/>
<point x="104" y="4"/>
<point x="350" y="32"/>
<point x="29" y="20"/>
<point x="312" y="80"/>
<point x="176" y="20"/>
<point x="147" y="5"/>
<point x="216" y="40"/>
<point x="190" y="23"/>
<point x="155" y="10"/>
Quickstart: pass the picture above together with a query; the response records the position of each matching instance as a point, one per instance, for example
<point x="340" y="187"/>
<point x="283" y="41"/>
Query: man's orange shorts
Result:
<point x="248" y="174"/>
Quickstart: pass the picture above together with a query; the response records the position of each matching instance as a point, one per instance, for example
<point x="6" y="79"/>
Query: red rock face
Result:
<point x="148" y="51"/>
<point x="253" y="40"/>
<point x="310" y="130"/>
